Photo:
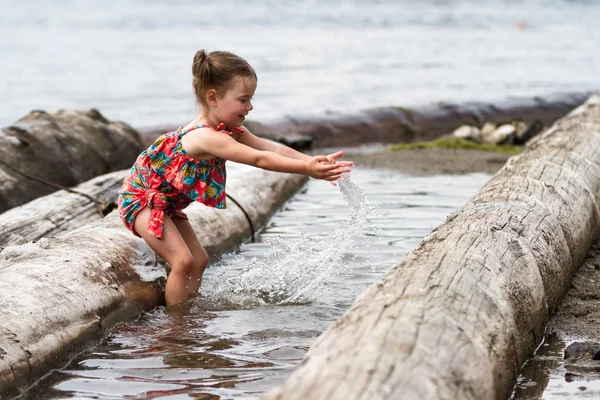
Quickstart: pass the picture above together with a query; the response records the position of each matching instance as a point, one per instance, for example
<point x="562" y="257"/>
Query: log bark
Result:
<point x="63" y="292"/>
<point x="460" y="314"/>
<point x="64" y="148"/>
<point x="60" y="211"/>
<point x="401" y="124"/>
<point x="66" y="210"/>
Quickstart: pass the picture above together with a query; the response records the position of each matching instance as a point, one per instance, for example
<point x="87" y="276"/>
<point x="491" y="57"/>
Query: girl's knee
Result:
<point x="183" y="266"/>
<point x="202" y="259"/>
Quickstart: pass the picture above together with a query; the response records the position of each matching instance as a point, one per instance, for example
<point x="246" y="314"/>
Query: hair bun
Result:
<point x="200" y="62"/>
<point x="216" y="70"/>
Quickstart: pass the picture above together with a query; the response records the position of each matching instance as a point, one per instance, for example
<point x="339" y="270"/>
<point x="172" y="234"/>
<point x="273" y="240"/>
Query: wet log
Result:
<point x="66" y="148"/>
<point x="389" y="125"/>
<point x="64" y="292"/>
<point x="61" y="211"/>
<point x="460" y="314"/>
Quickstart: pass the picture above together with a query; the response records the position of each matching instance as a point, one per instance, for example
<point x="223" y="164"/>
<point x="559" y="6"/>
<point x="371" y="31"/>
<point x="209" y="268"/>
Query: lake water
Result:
<point x="132" y="59"/>
<point x="264" y="305"/>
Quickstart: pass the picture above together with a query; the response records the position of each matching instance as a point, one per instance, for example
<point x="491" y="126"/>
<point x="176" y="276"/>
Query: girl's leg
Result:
<point x="174" y="250"/>
<point x="198" y="253"/>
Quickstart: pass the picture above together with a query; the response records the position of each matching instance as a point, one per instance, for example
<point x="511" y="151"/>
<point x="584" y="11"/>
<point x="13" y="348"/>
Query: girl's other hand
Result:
<point x="333" y="158"/>
<point x="327" y="168"/>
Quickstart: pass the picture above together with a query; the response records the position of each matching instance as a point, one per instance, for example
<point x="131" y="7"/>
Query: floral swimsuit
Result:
<point x="166" y="179"/>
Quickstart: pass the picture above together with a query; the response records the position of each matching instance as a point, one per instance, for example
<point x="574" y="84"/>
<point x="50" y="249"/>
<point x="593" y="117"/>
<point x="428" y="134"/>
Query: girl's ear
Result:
<point x="211" y="97"/>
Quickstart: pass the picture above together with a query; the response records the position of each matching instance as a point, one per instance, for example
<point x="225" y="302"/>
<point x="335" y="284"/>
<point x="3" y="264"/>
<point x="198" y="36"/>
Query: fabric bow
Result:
<point x="228" y="129"/>
<point x="157" y="202"/>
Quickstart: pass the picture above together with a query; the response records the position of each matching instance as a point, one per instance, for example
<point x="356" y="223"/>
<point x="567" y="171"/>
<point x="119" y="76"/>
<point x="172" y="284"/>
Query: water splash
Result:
<point x="294" y="272"/>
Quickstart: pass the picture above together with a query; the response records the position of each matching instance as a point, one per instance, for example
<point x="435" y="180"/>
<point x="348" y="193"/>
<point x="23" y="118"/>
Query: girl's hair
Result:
<point x="217" y="70"/>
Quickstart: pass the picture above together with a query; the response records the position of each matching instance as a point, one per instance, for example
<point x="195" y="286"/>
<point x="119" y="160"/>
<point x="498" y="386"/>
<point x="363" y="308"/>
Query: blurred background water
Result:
<point x="132" y="59"/>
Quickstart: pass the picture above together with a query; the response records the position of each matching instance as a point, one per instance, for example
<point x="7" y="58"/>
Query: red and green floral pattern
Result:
<point x="166" y="179"/>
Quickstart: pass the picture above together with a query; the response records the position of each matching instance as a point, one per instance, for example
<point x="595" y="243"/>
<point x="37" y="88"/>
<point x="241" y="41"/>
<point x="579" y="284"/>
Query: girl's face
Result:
<point x="232" y="107"/>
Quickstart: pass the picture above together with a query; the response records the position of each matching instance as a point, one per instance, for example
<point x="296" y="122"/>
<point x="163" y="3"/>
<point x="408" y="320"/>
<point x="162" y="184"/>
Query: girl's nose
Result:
<point x="250" y="106"/>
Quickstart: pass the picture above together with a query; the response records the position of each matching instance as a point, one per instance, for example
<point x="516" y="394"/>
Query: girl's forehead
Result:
<point x="244" y="86"/>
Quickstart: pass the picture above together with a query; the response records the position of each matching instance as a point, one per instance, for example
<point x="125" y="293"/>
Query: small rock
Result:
<point x="468" y="132"/>
<point x="590" y="350"/>
<point x="502" y="135"/>
<point x="520" y="127"/>
<point x="532" y="130"/>
<point x="488" y="128"/>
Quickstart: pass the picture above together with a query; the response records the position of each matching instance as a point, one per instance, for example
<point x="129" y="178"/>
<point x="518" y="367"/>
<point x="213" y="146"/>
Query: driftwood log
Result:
<point x="400" y="124"/>
<point x="64" y="148"/>
<point x="63" y="292"/>
<point x="60" y="211"/>
<point x="459" y="315"/>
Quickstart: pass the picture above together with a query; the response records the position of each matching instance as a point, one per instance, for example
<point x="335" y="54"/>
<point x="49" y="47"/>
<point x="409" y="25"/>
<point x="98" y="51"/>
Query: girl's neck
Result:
<point x="205" y="120"/>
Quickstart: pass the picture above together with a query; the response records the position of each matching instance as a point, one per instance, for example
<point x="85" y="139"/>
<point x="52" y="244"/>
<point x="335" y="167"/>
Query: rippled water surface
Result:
<point x="545" y="376"/>
<point x="132" y="59"/>
<point x="264" y="305"/>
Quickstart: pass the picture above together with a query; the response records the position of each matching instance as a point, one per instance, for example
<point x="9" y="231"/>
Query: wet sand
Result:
<point x="423" y="162"/>
<point x="578" y="316"/>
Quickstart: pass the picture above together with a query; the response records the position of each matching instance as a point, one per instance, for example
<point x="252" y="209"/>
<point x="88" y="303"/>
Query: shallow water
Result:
<point x="132" y="59"/>
<point x="264" y="305"/>
<point x="544" y="376"/>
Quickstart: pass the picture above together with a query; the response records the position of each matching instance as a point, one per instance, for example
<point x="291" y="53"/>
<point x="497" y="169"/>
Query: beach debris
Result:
<point x="513" y="132"/>
<point x="488" y="128"/>
<point x="532" y="130"/>
<point x="468" y="132"/>
<point x="583" y="350"/>
<point x="502" y="135"/>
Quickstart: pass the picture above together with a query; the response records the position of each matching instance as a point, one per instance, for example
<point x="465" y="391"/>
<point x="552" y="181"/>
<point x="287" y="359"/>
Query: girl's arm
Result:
<point x="249" y="139"/>
<point x="224" y="146"/>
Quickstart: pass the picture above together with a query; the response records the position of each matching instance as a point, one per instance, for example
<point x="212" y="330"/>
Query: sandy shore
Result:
<point x="422" y="162"/>
<point x="578" y="316"/>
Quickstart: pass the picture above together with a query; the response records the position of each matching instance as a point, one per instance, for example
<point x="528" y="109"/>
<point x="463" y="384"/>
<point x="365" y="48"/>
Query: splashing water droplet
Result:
<point x="292" y="273"/>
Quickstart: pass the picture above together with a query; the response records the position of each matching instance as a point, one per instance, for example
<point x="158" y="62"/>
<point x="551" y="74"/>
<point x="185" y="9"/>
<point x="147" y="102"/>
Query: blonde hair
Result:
<point x="217" y="70"/>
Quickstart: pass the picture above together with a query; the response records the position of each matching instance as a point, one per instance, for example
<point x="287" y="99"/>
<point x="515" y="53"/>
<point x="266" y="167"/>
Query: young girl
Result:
<point x="189" y="165"/>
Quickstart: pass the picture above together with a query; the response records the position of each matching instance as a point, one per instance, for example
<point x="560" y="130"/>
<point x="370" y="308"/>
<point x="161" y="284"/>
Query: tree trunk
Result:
<point x="63" y="292"/>
<point x="459" y="315"/>
<point x="400" y="124"/>
<point x="60" y="211"/>
<point x="64" y="148"/>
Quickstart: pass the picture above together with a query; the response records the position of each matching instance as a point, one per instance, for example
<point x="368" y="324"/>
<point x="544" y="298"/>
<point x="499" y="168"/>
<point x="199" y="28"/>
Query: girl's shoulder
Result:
<point x="170" y="139"/>
<point x="193" y="127"/>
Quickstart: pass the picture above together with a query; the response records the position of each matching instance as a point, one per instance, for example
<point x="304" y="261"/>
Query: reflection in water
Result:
<point x="535" y="373"/>
<point x="264" y="305"/>
<point x="546" y="376"/>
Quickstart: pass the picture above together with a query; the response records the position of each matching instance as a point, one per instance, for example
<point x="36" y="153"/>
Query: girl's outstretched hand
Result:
<point x="327" y="167"/>
<point x="333" y="158"/>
